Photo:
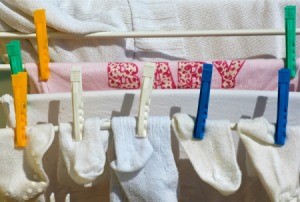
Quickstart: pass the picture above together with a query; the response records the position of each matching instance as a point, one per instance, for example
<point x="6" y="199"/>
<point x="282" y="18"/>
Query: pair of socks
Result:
<point x="214" y="157"/>
<point x="82" y="162"/>
<point x="144" y="168"/>
<point x="22" y="173"/>
<point x="278" y="167"/>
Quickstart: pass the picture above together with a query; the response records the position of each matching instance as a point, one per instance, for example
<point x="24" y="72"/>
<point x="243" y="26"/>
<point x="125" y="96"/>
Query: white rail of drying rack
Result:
<point x="147" y="34"/>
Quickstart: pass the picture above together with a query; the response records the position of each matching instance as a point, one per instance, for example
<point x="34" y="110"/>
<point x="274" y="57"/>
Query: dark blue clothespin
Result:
<point x="282" y="105"/>
<point x="199" y="127"/>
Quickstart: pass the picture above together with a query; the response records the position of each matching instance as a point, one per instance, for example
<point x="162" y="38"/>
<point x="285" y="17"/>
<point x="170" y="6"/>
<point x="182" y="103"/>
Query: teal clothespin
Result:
<point x="13" y="49"/>
<point x="290" y="39"/>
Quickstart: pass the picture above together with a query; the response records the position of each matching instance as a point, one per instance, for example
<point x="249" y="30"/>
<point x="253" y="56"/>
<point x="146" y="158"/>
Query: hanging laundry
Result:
<point x="214" y="157"/>
<point x="82" y="162"/>
<point x="277" y="166"/>
<point x="255" y="74"/>
<point x="144" y="167"/>
<point x="22" y="173"/>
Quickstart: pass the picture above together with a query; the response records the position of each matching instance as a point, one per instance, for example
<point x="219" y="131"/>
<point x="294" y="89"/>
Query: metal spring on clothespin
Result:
<point x="145" y="98"/>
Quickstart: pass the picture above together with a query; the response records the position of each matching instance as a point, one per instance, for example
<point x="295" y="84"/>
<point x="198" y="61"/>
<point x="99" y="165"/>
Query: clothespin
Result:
<point x="77" y="102"/>
<point x="199" y="127"/>
<point x="19" y="84"/>
<point x="290" y="39"/>
<point x="42" y="42"/>
<point x="282" y="105"/>
<point x="145" y="98"/>
<point x="13" y="49"/>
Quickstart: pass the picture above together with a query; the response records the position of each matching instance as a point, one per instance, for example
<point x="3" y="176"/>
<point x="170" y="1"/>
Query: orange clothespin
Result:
<point x="19" y="83"/>
<point x="42" y="42"/>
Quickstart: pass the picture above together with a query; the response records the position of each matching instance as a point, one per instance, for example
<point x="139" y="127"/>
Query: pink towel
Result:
<point x="258" y="74"/>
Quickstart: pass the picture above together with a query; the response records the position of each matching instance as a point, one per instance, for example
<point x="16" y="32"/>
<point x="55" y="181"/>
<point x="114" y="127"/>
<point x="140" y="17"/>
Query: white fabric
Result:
<point x="72" y="16"/>
<point x="82" y="161"/>
<point x="22" y="172"/>
<point x="7" y="102"/>
<point x="81" y="16"/>
<point x="145" y="167"/>
<point x="57" y="108"/>
<point x="213" y="158"/>
<point x="278" y="167"/>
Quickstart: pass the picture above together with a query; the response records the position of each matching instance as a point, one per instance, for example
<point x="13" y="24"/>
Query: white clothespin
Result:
<point x="77" y="102"/>
<point x="145" y="99"/>
<point x="52" y="198"/>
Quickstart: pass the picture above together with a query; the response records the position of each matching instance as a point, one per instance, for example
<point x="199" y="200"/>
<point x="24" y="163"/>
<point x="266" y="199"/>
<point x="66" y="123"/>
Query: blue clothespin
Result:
<point x="199" y="127"/>
<point x="282" y="105"/>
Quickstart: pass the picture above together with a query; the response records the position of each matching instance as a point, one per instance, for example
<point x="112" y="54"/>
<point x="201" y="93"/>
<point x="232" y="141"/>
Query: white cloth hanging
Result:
<point x="56" y="108"/>
<point x="74" y="16"/>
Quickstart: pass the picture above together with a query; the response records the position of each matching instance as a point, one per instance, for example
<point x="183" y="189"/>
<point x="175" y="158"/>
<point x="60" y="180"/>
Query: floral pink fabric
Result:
<point x="234" y="74"/>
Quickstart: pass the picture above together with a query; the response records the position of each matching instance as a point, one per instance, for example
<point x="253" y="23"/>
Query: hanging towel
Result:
<point x="82" y="162"/>
<point x="22" y="175"/>
<point x="255" y="74"/>
<point x="214" y="157"/>
<point x="144" y="167"/>
<point x="82" y="17"/>
<point x="278" y="167"/>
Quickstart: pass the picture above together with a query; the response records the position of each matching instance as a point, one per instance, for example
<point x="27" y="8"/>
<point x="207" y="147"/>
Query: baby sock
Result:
<point x="144" y="167"/>
<point x="213" y="158"/>
<point x="22" y="176"/>
<point x="277" y="166"/>
<point x="82" y="162"/>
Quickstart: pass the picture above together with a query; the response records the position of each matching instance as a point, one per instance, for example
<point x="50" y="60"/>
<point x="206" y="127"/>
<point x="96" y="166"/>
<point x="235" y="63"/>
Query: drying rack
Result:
<point x="147" y="34"/>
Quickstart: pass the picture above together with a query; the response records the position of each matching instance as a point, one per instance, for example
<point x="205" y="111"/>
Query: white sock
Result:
<point x="145" y="167"/>
<point x="82" y="162"/>
<point x="214" y="157"/>
<point x="7" y="102"/>
<point x="22" y="175"/>
<point x="277" y="166"/>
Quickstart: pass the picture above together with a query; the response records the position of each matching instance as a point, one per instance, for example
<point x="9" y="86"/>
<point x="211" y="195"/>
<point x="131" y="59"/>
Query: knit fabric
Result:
<point x="81" y="17"/>
<point x="77" y="17"/>
<point x="214" y="157"/>
<point x="256" y="74"/>
<point x="276" y="166"/>
<point x="22" y="173"/>
<point x="145" y="167"/>
<point x="82" y="162"/>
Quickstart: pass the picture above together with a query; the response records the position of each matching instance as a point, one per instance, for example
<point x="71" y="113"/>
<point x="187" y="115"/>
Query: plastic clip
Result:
<point x="202" y="111"/>
<point x="77" y="102"/>
<point x="290" y="39"/>
<point x="19" y="83"/>
<point x="13" y="49"/>
<point x="282" y="105"/>
<point x="42" y="42"/>
<point x="145" y="99"/>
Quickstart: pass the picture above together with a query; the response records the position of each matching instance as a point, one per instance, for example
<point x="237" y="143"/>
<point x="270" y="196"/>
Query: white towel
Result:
<point x="81" y="16"/>
<point x="82" y="161"/>
<point x="22" y="175"/>
<point x="144" y="167"/>
<point x="214" y="157"/>
<point x="277" y="167"/>
<point x="72" y="16"/>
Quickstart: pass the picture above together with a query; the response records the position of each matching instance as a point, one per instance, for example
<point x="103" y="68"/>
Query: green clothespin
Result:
<point x="290" y="39"/>
<point x="13" y="49"/>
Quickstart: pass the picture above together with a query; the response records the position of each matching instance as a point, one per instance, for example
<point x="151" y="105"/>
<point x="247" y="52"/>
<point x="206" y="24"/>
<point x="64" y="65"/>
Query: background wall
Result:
<point x="5" y="88"/>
